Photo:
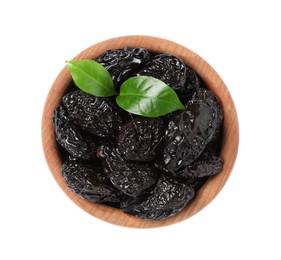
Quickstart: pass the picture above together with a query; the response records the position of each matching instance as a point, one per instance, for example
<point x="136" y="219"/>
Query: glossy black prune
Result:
<point x="95" y="115"/>
<point x="192" y="80"/>
<point x="141" y="139"/>
<point x="205" y="165"/>
<point x="88" y="181"/>
<point x="189" y="132"/>
<point x="213" y="146"/>
<point x="70" y="137"/>
<point x="131" y="178"/>
<point x="121" y="62"/>
<point x="168" y="197"/>
<point x="210" y="98"/>
<point x="173" y="72"/>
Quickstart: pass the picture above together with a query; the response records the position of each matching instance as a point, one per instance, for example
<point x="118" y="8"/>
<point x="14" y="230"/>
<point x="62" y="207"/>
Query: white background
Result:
<point x="240" y="39"/>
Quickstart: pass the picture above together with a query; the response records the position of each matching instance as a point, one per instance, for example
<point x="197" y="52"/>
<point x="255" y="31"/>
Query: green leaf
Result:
<point x="91" y="77"/>
<point x="148" y="96"/>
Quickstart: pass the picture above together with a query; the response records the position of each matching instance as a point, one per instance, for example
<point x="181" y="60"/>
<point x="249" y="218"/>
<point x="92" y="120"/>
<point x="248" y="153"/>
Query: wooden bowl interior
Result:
<point x="230" y="130"/>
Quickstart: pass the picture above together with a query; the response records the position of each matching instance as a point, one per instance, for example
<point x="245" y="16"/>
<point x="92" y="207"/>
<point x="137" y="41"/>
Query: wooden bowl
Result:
<point x="230" y="134"/>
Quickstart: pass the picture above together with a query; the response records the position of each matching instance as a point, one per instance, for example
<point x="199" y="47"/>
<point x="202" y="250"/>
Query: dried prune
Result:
<point x="141" y="139"/>
<point x="129" y="177"/>
<point x="95" y="115"/>
<point x="88" y="181"/>
<point x="121" y="62"/>
<point x="189" y="133"/>
<point x="192" y="80"/>
<point x="205" y="165"/>
<point x="203" y="94"/>
<point x="173" y="72"/>
<point x="210" y="98"/>
<point x="70" y="137"/>
<point x="168" y="197"/>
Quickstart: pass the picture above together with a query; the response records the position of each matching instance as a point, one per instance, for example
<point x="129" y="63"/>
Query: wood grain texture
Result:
<point x="230" y="138"/>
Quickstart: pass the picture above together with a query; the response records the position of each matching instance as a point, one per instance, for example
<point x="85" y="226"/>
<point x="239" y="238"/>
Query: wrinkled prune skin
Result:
<point x="121" y="62"/>
<point x="141" y="139"/>
<point x="214" y="145"/>
<point x="131" y="178"/>
<point x="168" y="197"/>
<point x="70" y="137"/>
<point x="95" y="115"/>
<point x="173" y="72"/>
<point x="88" y="181"/>
<point x="205" y="165"/>
<point x="196" y="183"/>
<point x="189" y="132"/>
<point x="210" y="98"/>
<point x="192" y="80"/>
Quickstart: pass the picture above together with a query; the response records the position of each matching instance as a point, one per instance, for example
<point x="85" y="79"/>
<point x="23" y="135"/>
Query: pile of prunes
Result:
<point x="147" y="167"/>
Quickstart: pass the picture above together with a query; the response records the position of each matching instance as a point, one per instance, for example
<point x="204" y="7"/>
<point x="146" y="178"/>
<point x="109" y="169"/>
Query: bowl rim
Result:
<point x="214" y="82"/>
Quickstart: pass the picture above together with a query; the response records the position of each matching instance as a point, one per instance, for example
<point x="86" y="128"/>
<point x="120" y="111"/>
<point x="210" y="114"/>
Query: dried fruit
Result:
<point x="88" y="181"/>
<point x="168" y="197"/>
<point x="206" y="165"/>
<point x="192" y="81"/>
<point x="189" y="133"/>
<point x="173" y="72"/>
<point x="141" y="139"/>
<point x="129" y="177"/>
<point x="95" y="115"/>
<point x="120" y="63"/>
<point x="213" y="146"/>
<point x="70" y="137"/>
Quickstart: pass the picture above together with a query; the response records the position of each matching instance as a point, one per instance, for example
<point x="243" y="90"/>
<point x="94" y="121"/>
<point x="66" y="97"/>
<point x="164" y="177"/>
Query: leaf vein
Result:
<point x="149" y="97"/>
